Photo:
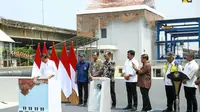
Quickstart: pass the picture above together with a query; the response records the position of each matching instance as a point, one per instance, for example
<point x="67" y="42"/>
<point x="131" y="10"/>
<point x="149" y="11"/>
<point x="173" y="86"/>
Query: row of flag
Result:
<point x="66" y="67"/>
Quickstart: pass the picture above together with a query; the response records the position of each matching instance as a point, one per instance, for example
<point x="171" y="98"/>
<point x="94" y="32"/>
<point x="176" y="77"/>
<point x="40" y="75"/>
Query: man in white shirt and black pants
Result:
<point x="190" y="87"/>
<point x="131" y="80"/>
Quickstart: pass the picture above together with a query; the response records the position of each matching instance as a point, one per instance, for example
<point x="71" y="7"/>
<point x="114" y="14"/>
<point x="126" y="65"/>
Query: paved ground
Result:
<point x="157" y="97"/>
<point x="67" y="108"/>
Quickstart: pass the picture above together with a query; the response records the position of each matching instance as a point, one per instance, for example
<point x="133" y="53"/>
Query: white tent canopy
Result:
<point x="5" y="38"/>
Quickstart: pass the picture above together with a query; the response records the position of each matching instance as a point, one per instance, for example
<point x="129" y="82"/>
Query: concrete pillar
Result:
<point x="1" y="52"/>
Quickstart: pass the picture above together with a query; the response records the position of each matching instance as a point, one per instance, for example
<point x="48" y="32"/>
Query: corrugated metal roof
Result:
<point x="5" y="38"/>
<point x="78" y="42"/>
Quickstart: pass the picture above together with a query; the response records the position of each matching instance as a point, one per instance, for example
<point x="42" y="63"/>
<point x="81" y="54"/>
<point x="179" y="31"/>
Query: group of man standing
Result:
<point x="138" y="76"/>
<point x="86" y="71"/>
<point x="133" y="75"/>
<point x="190" y="85"/>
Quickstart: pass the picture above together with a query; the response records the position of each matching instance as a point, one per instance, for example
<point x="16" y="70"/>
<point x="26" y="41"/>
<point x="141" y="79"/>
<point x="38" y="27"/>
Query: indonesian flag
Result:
<point x="44" y="50"/>
<point x="54" y="56"/>
<point x="73" y="62"/>
<point x="37" y="63"/>
<point x="64" y="73"/>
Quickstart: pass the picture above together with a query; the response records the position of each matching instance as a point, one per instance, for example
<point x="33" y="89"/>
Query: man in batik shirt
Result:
<point x="95" y="66"/>
<point x="108" y="71"/>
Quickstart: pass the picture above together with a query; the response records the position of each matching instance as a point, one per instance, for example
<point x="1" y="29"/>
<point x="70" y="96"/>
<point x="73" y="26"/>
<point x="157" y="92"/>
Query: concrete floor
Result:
<point x="157" y="97"/>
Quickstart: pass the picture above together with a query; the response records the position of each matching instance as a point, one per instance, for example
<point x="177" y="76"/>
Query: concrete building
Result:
<point x="6" y="45"/>
<point x="121" y="29"/>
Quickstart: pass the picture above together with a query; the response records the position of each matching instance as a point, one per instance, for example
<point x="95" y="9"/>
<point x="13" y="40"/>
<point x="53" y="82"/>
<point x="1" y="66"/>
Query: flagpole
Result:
<point x="42" y="12"/>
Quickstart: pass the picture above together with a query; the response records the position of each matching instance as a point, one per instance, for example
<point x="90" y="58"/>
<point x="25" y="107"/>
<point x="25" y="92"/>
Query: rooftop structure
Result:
<point x="93" y="4"/>
<point x="89" y="21"/>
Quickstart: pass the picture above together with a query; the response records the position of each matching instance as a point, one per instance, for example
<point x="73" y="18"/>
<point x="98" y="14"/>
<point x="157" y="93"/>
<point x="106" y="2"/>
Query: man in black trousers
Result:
<point x="108" y="70"/>
<point x="191" y="69"/>
<point x="82" y="74"/>
<point x="131" y="80"/>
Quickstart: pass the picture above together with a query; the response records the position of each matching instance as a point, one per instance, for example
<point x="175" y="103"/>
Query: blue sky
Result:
<point x="62" y="13"/>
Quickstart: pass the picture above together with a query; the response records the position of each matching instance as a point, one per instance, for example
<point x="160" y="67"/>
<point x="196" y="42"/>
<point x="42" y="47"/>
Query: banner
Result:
<point x="33" y="96"/>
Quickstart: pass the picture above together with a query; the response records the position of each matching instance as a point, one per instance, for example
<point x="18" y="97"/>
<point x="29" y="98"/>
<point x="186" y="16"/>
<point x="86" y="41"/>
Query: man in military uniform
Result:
<point x="95" y="66"/>
<point x="108" y="70"/>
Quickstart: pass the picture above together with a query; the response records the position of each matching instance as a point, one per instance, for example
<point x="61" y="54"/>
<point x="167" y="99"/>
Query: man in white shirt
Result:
<point x="191" y="69"/>
<point x="131" y="80"/>
<point x="47" y="69"/>
<point x="171" y="66"/>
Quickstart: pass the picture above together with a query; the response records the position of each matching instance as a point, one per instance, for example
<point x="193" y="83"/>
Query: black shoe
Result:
<point x="79" y="104"/>
<point x="190" y="111"/>
<point x="146" y="110"/>
<point x="85" y="104"/>
<point x="143" y="111"/>
<point x="127" y="107"/>
<point x="134" y="108"/>
<point x="113" y="107"/>
<point x="167" y="110"/>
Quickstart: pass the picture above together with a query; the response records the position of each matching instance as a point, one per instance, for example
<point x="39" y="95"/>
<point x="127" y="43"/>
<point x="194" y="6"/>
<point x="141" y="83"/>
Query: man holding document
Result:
<point x="47" y="69"/>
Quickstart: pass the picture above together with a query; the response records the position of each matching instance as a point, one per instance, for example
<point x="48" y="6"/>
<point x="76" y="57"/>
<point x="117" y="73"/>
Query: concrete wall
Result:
<point x="124" y="36"/>
<point x="1" y="50"/>
<point x="9" y="93"/>
<point x="135" y="35"/>
<point x="9" y="89"/>
<point x="157" y="95"/>
<point x="148" y="36"/>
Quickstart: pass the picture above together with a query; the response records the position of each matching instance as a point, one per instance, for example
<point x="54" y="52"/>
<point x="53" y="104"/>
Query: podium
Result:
<point x="177" y="78"/>
<point x="42" y="95"/>
<point x="99" y="96"/>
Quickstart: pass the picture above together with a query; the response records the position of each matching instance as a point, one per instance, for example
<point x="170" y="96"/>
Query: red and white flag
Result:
<point x="54" y="56"/>
<point x="64" y="73"/>
<point x="44" y="50"/>
<point x="37" y="63"/>
<point x="73" y="62"/>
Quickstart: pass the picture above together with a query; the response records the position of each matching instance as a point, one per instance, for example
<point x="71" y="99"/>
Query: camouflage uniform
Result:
<point x="108" y="70"/>
<point x="95" y="68"/>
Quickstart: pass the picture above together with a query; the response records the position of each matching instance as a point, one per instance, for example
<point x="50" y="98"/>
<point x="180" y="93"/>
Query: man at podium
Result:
<point x="41" y="95"/>
<point x="47" y="69"/>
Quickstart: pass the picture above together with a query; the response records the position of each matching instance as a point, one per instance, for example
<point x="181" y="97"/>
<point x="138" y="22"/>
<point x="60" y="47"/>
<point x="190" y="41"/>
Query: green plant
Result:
<point x="26" y="50"/>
